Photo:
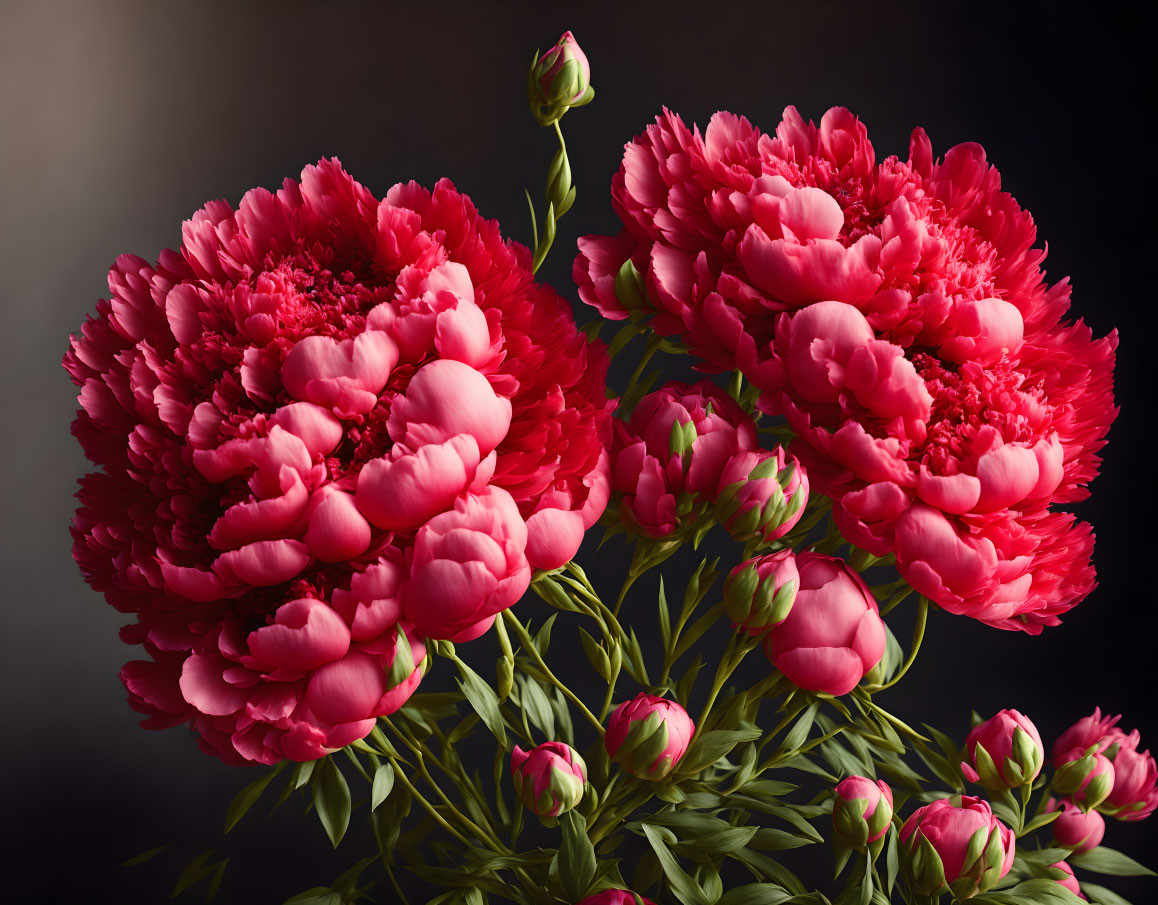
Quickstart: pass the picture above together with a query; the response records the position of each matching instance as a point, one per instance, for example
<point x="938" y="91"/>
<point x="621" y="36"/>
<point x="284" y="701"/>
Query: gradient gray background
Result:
<point x="118" y="120"/>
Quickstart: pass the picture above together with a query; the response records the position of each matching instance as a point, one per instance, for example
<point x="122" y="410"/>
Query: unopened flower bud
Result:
<point x="558" y="80"/>
<point x="1068" y="880"/>
<point x="1074" y="828"/>
<point x="1085" y="777"/>
<point x="549" y="778"/>
<point x="759" y="593"/>
<point x="648" y="735"/>
<point x="861" y="811"/>
<point x="762" y="495"/>
<point x="956" y="845"/>
<point x="1004" y="752"/>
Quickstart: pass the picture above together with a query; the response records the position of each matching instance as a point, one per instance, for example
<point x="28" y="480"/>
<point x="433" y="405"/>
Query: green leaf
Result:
<point x="892" y="860"/>
<point x="332" y="800"/>
<point x="799" y="731"/>
<point x="543" y="635"/>
<point x="596" y="655"/>
<point x="685" y="888"/>
<point x="197" y="870"/>
<point x="664" y="617"/>
<point x="537" y="706"/>
<point x="1104" y="860"/>
<point x="576" y="856"/>
<point x="383" y="783"/>
<point x="144" y="856"/>
<point x="1099" y="895"/>
<point x="315" y="895"/>
<point x="484" y="700"/>
<point x="709" y="747"/>
<point x="248" y="796"/>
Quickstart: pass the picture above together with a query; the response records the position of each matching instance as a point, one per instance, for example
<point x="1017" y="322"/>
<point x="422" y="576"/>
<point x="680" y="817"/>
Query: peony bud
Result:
<point x="861" y="811"/>
<point x="762" y="495"/>
<point x="758" y="594"/>
<point x="956" y="845"/>
<point x="1135" y="792"/>
<point x="648" y="735"/>
<point x="833" y="634"/>
<point x="1085" y="733"/>
<point x="550" y="778"/>
<point x="1069" y="881"/>
<point x="1004" y="752"/>
<point x="558" y="80"/>
<point x="1085" y="777"/>
<point x="1075" y="828"/>
<point x="617" y="897"/>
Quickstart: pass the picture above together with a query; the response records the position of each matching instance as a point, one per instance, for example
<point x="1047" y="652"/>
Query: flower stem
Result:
<point x="529" y="646"/>
<point x="918" y="637"/>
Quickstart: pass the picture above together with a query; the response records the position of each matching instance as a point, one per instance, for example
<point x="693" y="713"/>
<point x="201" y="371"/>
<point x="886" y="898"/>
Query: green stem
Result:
<point x="918" y="637"/>
<point x="653" y="343"/>
<point x="529" y="646"/>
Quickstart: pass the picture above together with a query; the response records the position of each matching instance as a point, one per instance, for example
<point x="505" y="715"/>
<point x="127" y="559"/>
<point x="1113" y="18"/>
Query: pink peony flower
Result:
<point x="896" y="314"/>
<point x="1086" y="733"/>
<point x="862" y="811"/>
<point x="833" y="634"/>
<point x="942" y="856"/>
<point x="1075" y="828"/>
<point x="759" y="593"/>
<point x="1069" y="881"/>
<point x="762" y="495"/>
<point x="1004" y="752"/>
<point x="327" y="426"/>
<point x="550" y="778"/>
<point x="667" y="461"/>
<point x="617" y="897"/>
<point x="648" y="735"/>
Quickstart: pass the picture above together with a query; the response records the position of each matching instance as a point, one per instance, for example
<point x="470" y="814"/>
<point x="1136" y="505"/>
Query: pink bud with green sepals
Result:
<point x="861" y="811"/>
<point x="550" y="778"/>
<point x="762" y="495"/>
<point x="1085" y="777"/>
<point x="1004" y="752"/>
<point x="617" y="897"/>
<point x="558" y="80"/>
<point x="956" y="845"/>
<point x="648" y="735"/>
<point x="759" y="593"/>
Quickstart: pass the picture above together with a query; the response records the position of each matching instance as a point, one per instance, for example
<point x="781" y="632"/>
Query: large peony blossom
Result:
<point x="896" y="314"/>
<point x="328" y="426"/>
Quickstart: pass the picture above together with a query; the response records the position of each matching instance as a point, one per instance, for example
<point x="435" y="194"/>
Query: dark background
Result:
<point x="118" y="120"/>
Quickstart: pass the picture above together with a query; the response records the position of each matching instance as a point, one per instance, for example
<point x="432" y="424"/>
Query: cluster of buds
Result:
<point x="1004" y="752"/>
<point x="550" y="778"/>
<point x="1098" y="766"/>
<point x="648" y="735"/>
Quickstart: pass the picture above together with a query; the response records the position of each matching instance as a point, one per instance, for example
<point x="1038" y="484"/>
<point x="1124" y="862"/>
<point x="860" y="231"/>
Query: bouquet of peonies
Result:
<point x="341" y="436"/>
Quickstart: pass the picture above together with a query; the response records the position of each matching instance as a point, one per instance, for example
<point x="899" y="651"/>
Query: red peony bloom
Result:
<point x="896" y="314"/>
<point x="328" y="425"/>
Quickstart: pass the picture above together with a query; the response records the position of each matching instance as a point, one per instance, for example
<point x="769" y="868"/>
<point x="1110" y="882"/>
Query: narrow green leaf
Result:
<point x="332" y="800"/>
<point x="1099" y="895"/>
<point x="799" y="731"/>
<point x="144" y="856"/>
<point x="247" y="797"/>
<point x="1104" y="860"/>
<point x="683" y="886"/>
<point x="484" y="700"/>
<point x="664" y="617"/>
<point x="383" y="783"/>
<point x="576" y="856"/>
